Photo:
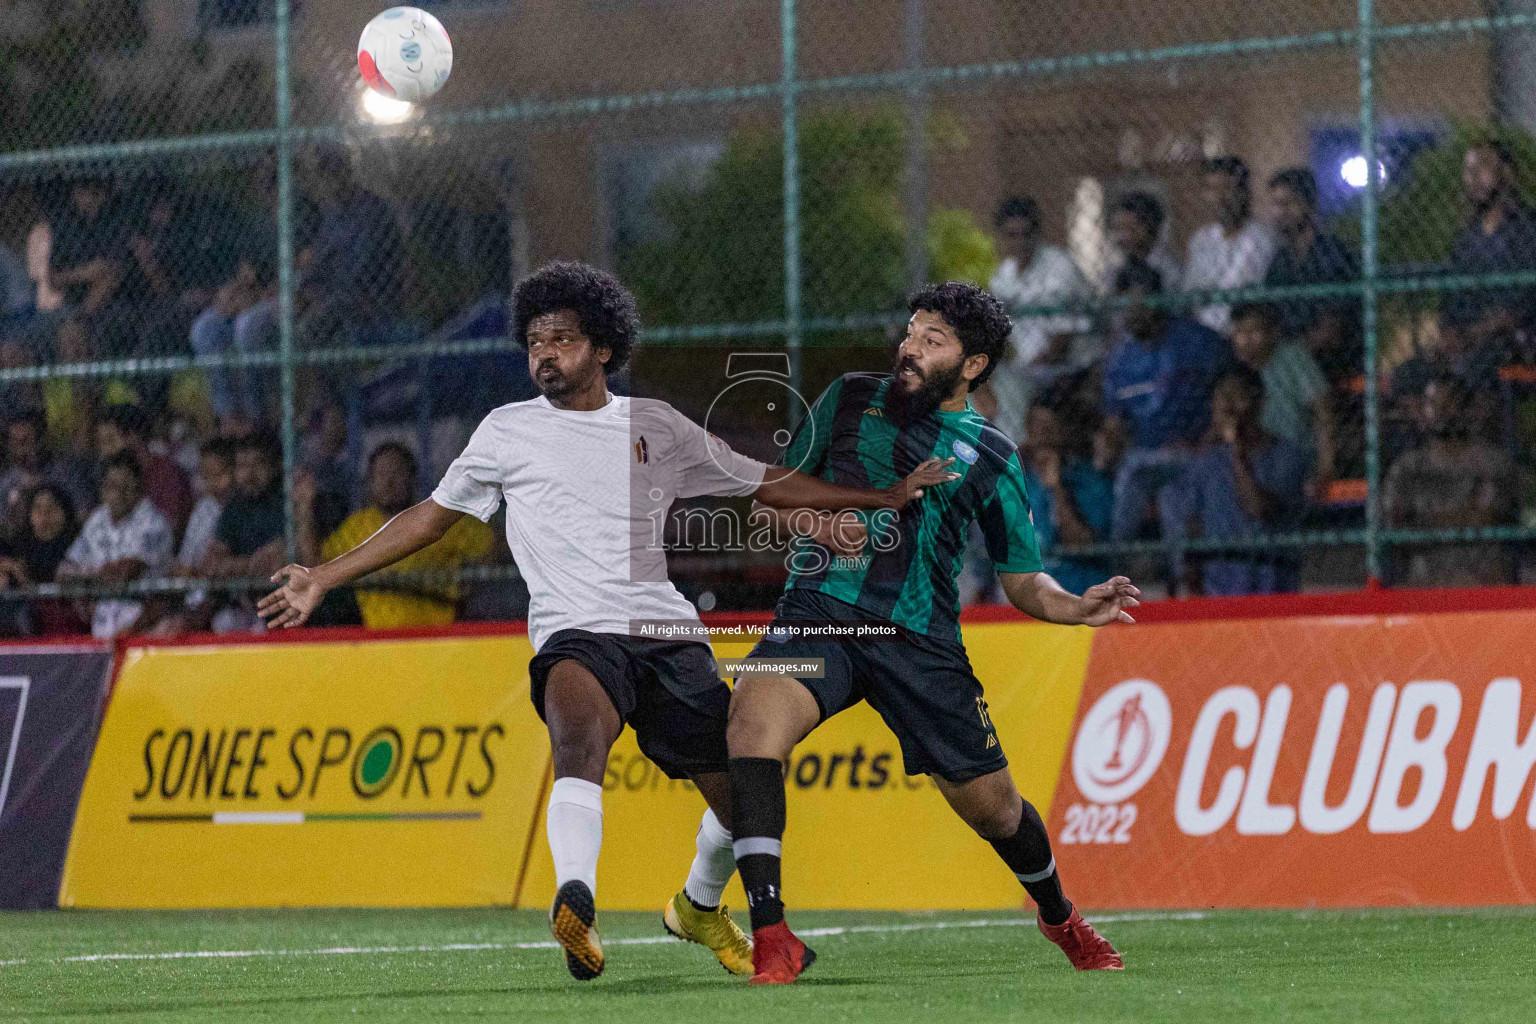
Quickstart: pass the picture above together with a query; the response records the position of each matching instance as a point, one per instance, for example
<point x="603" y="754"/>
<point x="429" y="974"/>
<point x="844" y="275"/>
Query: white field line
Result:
<point x="647" y="940"/>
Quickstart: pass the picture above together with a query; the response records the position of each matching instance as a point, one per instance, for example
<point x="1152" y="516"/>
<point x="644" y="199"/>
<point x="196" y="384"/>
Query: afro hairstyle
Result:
<point x="604" y="307"/>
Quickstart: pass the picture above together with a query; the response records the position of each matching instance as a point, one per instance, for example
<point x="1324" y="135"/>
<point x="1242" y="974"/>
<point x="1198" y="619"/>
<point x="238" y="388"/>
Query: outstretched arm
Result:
<point x="1039" y="596"/>
<point x="794" y="489"/>
<point x="302" y="589"/>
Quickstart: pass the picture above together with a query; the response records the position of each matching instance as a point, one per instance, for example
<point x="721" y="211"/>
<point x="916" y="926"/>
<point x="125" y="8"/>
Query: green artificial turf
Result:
<point x="1399" y="966"/>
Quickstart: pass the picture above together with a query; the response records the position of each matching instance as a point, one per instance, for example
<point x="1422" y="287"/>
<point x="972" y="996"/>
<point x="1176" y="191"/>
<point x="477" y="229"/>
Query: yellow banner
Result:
<point x="312" y="774"/>
<point x="413" y="773"/>
<point x="861" y="833"/>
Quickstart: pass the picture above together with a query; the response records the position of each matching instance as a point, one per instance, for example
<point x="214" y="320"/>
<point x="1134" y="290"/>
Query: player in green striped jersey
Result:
<point x="868" y="430"/>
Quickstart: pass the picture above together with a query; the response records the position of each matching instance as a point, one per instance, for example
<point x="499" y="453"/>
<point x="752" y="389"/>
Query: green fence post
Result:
<point x="285" y="266"/>
<point x="792" y="300"/>
<point x="914" y="170"/>
<point x="1369" y="260"/>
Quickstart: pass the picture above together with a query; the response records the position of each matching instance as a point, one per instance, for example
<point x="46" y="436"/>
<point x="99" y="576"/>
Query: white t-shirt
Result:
<point x="587" y="498"/>
<point x="1051" y="278"/>
<point x="1216" y="262"/>
<point x="200" y="529"/>
<point x="144" y="535"/>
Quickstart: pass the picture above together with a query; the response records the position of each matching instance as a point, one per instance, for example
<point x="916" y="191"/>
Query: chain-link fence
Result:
<point x="1272" y="268"/>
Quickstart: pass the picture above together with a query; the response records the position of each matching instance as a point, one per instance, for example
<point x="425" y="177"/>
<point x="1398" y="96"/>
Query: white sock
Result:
<point x="575" y="820"/>
<point x="713" y="866"/>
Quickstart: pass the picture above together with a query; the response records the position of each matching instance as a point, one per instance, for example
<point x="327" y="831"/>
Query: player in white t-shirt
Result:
<point x="588" y="478"/>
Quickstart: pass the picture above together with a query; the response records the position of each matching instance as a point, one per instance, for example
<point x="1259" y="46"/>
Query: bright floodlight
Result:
<point x="381" y="109"/>
<point x="1353" y="171"/>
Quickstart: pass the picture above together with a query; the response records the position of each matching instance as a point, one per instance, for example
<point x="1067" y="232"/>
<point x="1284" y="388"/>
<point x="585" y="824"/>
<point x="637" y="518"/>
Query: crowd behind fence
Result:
<point x="1273" y="277"/>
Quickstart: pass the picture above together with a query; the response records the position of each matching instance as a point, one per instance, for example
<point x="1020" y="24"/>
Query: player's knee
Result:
<point x="756" y="726"/>
<point x="579" y="752"/>
<point x="993" y="818"/>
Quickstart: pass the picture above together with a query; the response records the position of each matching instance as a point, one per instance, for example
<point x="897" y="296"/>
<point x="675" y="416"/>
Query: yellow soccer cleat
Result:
<point x="713" y="929"/>
<point x="573" y="921"/>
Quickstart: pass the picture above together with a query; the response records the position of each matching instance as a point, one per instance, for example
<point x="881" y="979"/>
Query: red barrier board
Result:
<point x="1329" y="761"/>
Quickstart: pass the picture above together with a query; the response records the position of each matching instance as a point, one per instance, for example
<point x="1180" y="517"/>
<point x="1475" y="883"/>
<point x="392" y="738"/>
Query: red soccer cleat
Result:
<point x="777" y="956"/>
<point x="1084" y="946"/>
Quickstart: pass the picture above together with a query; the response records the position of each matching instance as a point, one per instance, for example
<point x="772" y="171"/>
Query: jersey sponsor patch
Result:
<point x="965" y="453"/>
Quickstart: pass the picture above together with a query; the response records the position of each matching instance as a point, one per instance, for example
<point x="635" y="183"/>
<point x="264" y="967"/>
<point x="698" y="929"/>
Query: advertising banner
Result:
<point x="413" y="772"/>
<point x="1378" y="759"/>
<point x="50" y="704"/>
<point x="1346" y="761"/>
<point x="385" y="773"/>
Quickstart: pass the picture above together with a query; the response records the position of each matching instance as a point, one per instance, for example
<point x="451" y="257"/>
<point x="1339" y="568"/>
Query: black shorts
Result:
<point x="670" y="691"/>
<point x="922" y="686"/>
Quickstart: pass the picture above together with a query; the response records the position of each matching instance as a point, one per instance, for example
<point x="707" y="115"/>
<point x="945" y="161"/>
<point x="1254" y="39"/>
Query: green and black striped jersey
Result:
<point x="908" y="570"/>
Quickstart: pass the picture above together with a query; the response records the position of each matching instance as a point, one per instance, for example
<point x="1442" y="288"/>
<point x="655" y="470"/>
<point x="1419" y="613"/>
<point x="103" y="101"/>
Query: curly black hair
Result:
<point x="977" y="316"/>
<point x="604" y="307"/>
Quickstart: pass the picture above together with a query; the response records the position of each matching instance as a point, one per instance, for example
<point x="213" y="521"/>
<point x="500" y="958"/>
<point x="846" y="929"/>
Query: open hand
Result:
<point x="292" y="603"/>
<point x="1106" y="602"/>
<point x="929" y="473"/>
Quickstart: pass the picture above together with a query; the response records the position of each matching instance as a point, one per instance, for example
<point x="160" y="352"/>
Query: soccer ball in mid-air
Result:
<point x="405" y="54"/>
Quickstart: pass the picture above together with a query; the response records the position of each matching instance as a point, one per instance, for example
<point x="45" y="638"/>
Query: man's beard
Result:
<point x="561" y="385"/>
<point x="905" y="406"/>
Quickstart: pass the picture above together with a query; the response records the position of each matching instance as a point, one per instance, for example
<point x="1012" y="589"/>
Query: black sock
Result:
<point x="757" y="823"/>
<point x="1028" y="855"/>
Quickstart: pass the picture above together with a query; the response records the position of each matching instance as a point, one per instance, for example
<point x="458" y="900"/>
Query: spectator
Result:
<point x="1499" y="237"/>
<point x="18" y="292"/>
<point x="72" y="403"/>
<point x="1157" y="395"/>
<point x="1328" y="329"/>
<point x="51" y="528"/>
<point x="16" y="353"/>
<point x="324" y="454"/>
<point x="125" y="428"/>
<point x="216" y="474"/>
<point x="124" y="539"/>
<point x="87" y="255"/>
<point x="178" y="254"/>
<point x="1043" y="348"/>
<point x="240" y="320"/>
<point x="1136" y="229"/>
<point x="241" y="316"/>
<point x="1453" y="480"/>
<point x="1235" y="249"/>
<point x="1070" y="498"/>
<point x="28" y="465"/>
<point x="1478" y="327"/>
<point x="1243" y="483"/>
<point x="216" y="479"/>
<point x="353" y="271"/>
<point x="1297" y="406"/>
<point x="39" y="267"/>
<point x="391" y="483"/>
<point x="249" y="538"/>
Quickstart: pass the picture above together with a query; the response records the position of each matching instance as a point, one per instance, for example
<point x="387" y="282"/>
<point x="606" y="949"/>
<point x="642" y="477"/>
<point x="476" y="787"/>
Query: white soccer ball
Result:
<point x="405" y="54"/>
